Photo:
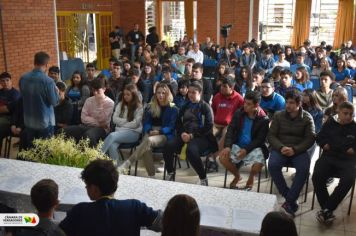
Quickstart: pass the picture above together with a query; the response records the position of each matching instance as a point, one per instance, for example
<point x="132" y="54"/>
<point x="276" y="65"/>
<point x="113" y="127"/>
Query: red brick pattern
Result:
<point x="235" y="12"/>
<point x="29" y="27"/>
<point x="131" y="12"/>
<point x="206" y="19"/>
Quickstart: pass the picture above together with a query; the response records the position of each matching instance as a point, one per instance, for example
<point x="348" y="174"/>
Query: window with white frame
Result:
<point x="276" y="21"/>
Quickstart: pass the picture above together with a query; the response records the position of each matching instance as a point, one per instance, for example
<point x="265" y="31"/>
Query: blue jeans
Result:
<point x="114" y="139"/>
<point x="300" y="162"/>
<point x="133" y="49"/>
<point x="32" y="134"/>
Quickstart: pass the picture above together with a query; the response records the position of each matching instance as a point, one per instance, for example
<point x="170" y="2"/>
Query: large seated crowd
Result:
<point x="256" y="105"/>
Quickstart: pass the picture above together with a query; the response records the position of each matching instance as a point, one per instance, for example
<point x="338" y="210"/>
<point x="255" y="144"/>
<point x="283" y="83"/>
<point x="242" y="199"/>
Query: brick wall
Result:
<point x="232" y="12"/>
<point x="85" y="5"/>
<point x="28" y="28"/>
<point x="131" y="12"/>
<point x="206" y="19"/>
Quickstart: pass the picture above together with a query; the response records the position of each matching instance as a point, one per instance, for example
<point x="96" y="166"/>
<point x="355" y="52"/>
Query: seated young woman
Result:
<point x="78" y="92"/>
<point x="95" y="117"/>
<point x="128" y="120"/>
<point x="158" y="127"/>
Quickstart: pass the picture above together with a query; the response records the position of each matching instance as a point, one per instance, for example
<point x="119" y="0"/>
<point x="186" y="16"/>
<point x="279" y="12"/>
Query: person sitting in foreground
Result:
<point x="181" y="217"/>
<point x="195" y="130"/>
<point x="337" y="139"/>
<point x="277" y="223"/>
<point x="245" y="140"/>
<point x="44" y="196"/>
<point x="106" y="215"/>
<point x="291" y="134"/>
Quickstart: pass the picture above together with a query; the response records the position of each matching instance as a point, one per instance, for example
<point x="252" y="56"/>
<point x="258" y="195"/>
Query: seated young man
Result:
<point x="291" y="134"/>
<point x="106" y="215"/>
<point x="194" y="129"/>
<point x="324" y="94"/>
<point x="245" y="140"/>
<point x="224" y="105"/>
<point x="96" y="116"/>
<point x="53" y="72"/>
<point x="44" y="196"/>
<point x="257" y="78"/>
<point x="285" y="83"/>
<point x="63" y="112"/>
<point x="271" y="101"/>
<point x="337" y="139"/>
<point x="8" y="96"/>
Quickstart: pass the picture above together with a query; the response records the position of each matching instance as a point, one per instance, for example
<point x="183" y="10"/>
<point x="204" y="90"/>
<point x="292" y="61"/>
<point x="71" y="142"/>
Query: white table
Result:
<point x="17" y="178"/>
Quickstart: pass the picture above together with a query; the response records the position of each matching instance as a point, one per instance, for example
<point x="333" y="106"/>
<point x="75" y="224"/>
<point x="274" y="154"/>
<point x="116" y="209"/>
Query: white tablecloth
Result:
<point x="17" y="177"/>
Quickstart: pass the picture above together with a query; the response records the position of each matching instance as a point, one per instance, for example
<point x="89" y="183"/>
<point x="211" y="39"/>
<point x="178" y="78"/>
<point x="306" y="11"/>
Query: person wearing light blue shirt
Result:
<point x="301" y="80"/>
<point x="271" y="101"/>
<point x="40" y="95"/>
<point x="300" y="63"/>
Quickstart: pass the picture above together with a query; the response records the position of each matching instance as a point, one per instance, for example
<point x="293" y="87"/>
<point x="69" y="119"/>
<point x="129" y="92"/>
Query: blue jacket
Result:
<point x="39" y="97"/>
<point x="168" y="118"/>
<point x="180" y="101"/>
<point x="266" y="64"/>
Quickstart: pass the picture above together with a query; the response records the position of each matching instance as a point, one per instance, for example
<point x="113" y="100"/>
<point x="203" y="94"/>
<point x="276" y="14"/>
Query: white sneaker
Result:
<point x="203" y="182"/>
<point x="160" y="169"/>
<point x="123" y="169"/>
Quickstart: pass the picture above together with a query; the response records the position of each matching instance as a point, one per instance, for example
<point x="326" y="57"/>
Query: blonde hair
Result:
<point x="155" y="107"/>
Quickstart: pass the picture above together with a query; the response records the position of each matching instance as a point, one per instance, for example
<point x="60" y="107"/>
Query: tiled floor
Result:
<point x="307" y="225"/>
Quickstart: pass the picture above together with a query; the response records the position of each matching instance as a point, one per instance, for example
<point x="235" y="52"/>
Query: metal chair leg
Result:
<point x="136" y="164"/>
<point x="259" y="182"/>
<point x="313" y="200"/>
<point x="306" y="188"/>
<point x="176" y="159"/>
<point x="351" y="198"/>
<point x="225" y="179"/>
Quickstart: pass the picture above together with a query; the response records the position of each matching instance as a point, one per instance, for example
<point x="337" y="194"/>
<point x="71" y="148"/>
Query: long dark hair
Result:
<point x="72" y="85"/>
<point x="131" y="106"/>
<point x="312" y="100"/>
<point x="240" y="79"/>
<point x="151" y="76"/>
<point x="278" y="223"/>
<point x="181" y="217"/>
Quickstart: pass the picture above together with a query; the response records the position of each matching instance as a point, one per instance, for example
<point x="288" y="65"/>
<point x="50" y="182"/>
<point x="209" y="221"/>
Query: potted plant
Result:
<point x="59" y="150"/>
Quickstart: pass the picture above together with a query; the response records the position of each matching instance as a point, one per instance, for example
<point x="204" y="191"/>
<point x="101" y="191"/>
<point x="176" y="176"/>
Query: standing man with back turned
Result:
<point x="40" y="95"/>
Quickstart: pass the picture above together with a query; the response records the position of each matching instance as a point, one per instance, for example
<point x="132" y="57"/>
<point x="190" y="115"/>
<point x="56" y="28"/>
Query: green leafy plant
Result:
<point x="59" y="150"/>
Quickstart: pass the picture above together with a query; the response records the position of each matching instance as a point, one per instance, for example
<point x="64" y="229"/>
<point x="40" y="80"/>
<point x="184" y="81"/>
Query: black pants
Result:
<point x="194" y="149"/>
<point x="327" y="167"/>
<point x="78" y="132"/>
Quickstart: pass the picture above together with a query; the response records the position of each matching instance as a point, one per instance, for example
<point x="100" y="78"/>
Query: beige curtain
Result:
<point x="301" y="25"/>
<point x="189" y="17"/>
<point x="344" y="22"/>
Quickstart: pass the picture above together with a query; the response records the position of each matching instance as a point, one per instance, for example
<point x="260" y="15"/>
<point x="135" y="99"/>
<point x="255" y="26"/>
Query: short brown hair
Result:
<point x="44" y="195"/>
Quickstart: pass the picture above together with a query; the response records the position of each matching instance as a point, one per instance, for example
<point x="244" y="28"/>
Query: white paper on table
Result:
<point x="247" y="220"/>
<point x="75" y="195"/>
<point x="213" y="216"/>
<point x="13" y="183"/>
